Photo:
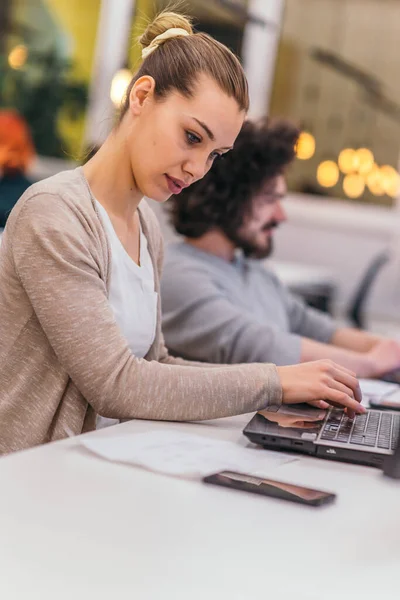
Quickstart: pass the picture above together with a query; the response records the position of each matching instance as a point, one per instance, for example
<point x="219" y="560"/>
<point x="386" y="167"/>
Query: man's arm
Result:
<point x="355" y="339"/>
<point x="365" y="354"/>
<point x="356" y="361"/>
<point x="306" y="321"/>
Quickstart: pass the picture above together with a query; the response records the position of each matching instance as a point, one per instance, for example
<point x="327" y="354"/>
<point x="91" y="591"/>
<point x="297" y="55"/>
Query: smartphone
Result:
<point x="269" y="487"/>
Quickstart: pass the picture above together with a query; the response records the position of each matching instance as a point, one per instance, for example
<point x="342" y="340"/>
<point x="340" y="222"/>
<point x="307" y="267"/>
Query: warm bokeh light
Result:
<point x="119" y="85"/>
<point x="327" y="173"/>
<point x="353" y="185"/>
<point x="305" y="147"/>
<point x="390" y="180"/>
<point x="348" y="160"/>
<point x="365" y="160"/>
<point x="374" y="181"/>
<point x="17" y="57"/>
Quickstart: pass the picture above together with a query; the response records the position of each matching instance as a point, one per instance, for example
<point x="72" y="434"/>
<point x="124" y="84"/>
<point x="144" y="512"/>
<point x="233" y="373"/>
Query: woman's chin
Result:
<point x="157" y="194"/>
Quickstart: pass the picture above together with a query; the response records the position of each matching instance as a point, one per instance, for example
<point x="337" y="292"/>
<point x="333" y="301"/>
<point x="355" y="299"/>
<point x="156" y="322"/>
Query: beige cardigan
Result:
<point x="63" y="358"/>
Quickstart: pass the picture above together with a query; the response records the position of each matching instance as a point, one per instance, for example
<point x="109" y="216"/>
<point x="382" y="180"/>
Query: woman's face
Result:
<point x="173" y="142"/>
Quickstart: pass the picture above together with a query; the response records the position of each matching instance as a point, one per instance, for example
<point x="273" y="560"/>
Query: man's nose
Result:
<point x="280" y="213"/>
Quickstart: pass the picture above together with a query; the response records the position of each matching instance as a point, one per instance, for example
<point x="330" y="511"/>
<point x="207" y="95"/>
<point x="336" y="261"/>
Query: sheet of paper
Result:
<point x="183" y="454"/>
<point x="372" y="388"/>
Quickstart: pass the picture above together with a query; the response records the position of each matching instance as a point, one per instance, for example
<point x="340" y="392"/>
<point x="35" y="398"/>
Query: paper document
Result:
<point x="372" y="388"/>
<point x="182" y="454"/>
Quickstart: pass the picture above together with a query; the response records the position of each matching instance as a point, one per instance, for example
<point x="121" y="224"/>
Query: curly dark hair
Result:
<point x="262" y="151"/>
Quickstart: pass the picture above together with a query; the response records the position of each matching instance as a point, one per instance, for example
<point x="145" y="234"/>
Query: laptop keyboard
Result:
<point x="374" y="429"/>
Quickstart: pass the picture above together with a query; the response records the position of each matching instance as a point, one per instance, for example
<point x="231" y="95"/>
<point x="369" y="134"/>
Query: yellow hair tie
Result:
<point x="160" y="39"/>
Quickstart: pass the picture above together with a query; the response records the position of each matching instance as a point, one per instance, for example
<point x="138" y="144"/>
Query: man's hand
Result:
<point x="382" y="358"/>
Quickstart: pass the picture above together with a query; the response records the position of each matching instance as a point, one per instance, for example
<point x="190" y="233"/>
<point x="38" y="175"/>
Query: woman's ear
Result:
<point x="142" y="90"/>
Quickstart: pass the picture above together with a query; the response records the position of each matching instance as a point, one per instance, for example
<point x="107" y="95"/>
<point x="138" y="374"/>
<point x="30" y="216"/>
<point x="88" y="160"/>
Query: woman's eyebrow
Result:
<point x="206" y="129"/>
<point x="210" y="133"/>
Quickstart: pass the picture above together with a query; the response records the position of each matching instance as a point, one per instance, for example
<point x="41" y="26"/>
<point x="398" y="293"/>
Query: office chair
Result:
<point x="356" y="310"/>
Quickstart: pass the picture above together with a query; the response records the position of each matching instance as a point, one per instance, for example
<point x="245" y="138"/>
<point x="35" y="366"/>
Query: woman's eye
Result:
<point x="192" y="138"/>
<point x="215" y="155"/>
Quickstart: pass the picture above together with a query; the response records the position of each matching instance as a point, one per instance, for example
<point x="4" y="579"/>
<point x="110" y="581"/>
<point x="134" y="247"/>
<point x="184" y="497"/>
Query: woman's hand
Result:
<point x="319" y="383"/>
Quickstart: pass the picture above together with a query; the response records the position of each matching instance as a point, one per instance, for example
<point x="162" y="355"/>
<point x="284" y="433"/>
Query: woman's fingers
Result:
<point x="344" y="370"/>
<point x="349" y="379"/>
<point x="346" y="382"/>
<point x="341" y="387"/>
<point x="344" y="389"/>
<point x="342" y="399"/>
<point x="349" y="411"/>
<point x="319" y="404"/>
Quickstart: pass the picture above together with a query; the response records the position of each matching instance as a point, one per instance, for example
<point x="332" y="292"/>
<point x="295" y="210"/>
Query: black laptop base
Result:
<point x="303" y="447"/>
<point x="279" y="431"/>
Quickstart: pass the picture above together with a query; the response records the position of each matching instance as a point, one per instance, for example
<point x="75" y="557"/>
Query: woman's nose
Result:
<point x="197" y="168"/>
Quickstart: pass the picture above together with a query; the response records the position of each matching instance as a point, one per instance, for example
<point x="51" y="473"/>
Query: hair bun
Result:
<point x="164" y="21"/>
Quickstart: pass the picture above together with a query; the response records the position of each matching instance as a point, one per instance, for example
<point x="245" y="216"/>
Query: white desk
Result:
<point x="299" y="276"/>
<point x="75" y="526"/>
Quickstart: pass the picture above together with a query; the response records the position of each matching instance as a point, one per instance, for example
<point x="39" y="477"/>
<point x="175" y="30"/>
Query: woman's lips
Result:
<point x="173" y="186"/>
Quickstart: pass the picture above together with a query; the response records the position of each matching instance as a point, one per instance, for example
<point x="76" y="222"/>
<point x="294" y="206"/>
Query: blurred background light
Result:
<point x="305" y="147"/>
<point x="374" y="181"/>
<point x="119" y="85"/>
<point x="390" y="180"/>
<point x="328" y="173"/>
<point x="365" y="160"/>
<point x="17" y="57"/>
<point x="353" y="185"/>
<point x="348" y="160"/>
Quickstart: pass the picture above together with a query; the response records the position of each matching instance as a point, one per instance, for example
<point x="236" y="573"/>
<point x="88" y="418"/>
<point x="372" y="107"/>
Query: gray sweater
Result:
<point x="236" y="312"/>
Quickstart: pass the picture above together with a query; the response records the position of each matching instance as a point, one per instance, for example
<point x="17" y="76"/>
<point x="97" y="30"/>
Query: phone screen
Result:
<point x="269" y="487"/>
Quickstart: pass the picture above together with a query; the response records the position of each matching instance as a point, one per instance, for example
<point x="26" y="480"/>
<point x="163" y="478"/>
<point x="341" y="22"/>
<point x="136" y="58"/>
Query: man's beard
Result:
<point x="248" y="246"/>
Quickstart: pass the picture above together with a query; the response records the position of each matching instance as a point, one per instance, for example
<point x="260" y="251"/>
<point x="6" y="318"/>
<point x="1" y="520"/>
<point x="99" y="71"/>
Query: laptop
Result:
<point x="369" y="439"/>
<point x="391" y="466"/>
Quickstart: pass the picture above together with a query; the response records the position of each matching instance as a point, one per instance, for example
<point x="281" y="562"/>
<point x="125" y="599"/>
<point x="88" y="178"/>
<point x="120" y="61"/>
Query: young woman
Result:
<point x="81" y="260"/>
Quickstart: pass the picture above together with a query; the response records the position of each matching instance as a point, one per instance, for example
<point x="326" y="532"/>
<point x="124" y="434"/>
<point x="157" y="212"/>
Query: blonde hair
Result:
<point x="176" y="62"/>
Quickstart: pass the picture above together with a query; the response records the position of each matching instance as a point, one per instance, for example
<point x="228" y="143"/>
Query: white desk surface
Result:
<point x="294" y="274"/>
<point x="75" y="526"/>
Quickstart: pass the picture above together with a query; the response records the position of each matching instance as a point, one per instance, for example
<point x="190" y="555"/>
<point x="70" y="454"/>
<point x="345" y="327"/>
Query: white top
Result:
<point x="172" y="538"/>
<point x="131" y="295"/>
